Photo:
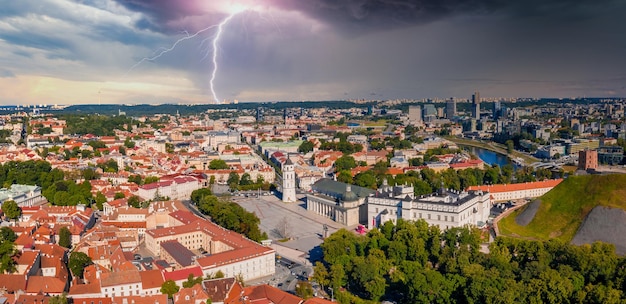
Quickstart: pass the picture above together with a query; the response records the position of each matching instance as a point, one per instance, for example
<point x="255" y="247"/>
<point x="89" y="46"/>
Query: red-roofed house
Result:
<point x="269" y="294"/>
<point x="231" y="253"/>
<point x="192" y="295"/>
<point x="179" y="276"/>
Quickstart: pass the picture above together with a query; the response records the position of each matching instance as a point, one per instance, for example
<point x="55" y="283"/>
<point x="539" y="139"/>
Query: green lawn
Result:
<point x="563" y="209"/>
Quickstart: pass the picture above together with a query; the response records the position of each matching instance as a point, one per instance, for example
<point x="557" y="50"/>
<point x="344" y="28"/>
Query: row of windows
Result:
<point x="445" y="217"/>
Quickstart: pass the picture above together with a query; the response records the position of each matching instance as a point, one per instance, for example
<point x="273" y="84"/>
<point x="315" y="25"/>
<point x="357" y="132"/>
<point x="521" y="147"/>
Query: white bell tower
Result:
<point x="289" y="181"/>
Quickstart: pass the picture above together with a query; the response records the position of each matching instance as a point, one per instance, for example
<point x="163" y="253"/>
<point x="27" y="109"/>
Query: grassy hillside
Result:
<point x="563" y="209"/>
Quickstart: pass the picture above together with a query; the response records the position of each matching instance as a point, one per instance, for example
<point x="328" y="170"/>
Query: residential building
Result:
<point x="229" y="252"/>
<point x="506" y="192"/>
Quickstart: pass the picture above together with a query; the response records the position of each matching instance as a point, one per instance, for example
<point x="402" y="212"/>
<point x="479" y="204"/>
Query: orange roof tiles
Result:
<point x="12" y="282"/>
<point x="120" y="278"/>
<point x="272" y="294"/>
<point x="81" y="289"/>
<point x="151" y="279"/>
<point x="185" y="217"/>
<point x="517" y="187"/>
<point x="49" y="285"/>
<point x="182" y="274"/>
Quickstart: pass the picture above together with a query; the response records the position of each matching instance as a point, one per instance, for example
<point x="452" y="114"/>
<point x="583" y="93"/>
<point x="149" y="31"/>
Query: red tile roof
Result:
<point x="49" y="285"/>
<point x="13" y="282"/>
<point x="151" y="279"/>
<point x="517" y="187"/>
<point x="182" y="274"/>
<point x="272" y="294"/>
<point x="184" y="217"/>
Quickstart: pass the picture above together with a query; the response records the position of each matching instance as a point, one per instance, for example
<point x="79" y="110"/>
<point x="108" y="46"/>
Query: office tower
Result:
<point x="415" y="114"/>
<point x="496" y="110"/>
<point x="450" y="108"/>
<point x="430" y="110"/>
<point x="476" y="105"/>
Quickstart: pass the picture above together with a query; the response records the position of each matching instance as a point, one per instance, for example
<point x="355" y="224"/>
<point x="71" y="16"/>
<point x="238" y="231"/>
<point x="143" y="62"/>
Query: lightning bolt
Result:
<point x="216" y="40"/>
<point x="171" y="48"/>
<point x="215" y="43"/>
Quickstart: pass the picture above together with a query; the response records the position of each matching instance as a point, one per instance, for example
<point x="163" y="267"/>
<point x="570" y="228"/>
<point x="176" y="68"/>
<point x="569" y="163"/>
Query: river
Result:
<point x="489" y="157"/>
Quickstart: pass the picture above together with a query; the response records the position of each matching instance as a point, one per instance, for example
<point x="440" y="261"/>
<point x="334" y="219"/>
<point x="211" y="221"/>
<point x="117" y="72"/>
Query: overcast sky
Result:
<point x="107" y="51"/>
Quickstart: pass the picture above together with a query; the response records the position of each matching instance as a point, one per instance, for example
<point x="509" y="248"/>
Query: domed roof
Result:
<point x="350" y="196"/>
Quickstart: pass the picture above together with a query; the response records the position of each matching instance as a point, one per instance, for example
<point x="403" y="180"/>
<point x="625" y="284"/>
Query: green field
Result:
<point x="563" y="209"/>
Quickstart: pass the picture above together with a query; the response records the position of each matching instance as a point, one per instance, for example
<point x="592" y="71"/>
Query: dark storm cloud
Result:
<point x="354" y="16"/>
<point x="359" y="16"/>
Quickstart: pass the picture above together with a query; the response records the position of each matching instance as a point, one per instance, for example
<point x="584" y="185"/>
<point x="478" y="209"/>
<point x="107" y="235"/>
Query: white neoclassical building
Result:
<point x="340" y="202"/>
<point x="445" y="209"/>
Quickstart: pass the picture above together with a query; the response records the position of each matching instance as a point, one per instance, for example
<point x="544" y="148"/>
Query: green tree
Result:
<point x="510" y="145"/>
<point x="58" y="299"/>
<point x="321" y="275"/>
<point x="119" y="195"/>
<point x="198" y="194"/>
<point x="100" y="200"/>
<point x="245" y="180"/>
<point x="90" y="174"/>
<point x="77" y="263"/>
<point x="169" y="288"/>
<point x="233" y="180"/>
<point x="306" y="147"/>
<point x="346" y="162"/>
<point x="191" y="281"/>
<point x="97" y="144"/>
<point x="65" y="237"/>
<point x="304" y="289"/>
<point x="218" y="164"/>
<point x="150" y="179"/>
<point x="7" y="235"/>
<point x="128" y="143"/>
<point x="134" y="201"/>
<point x="11" y="210"/>
<point x="345" y="176"/>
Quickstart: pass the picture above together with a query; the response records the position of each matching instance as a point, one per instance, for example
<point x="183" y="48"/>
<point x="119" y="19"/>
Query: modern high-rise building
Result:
<point x="430" y="110"/>
<point x="415" y="114"/>
<point x="476" y="105"/>
<point x="497" y="106"/>
<point x="450" y="108"/>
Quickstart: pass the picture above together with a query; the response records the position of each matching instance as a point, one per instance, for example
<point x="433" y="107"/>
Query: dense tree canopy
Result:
<point x="306" y="147"/>
<point x="65" y="237"/>
<point x="412" y="262"/>
<point x="11" y="210"/>
<point x="218" y="164"/>
<point x="77" y="263"/>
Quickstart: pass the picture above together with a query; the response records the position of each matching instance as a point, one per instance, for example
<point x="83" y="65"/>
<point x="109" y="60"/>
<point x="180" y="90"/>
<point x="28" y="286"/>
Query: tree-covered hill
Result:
<point x="412" y="262"/>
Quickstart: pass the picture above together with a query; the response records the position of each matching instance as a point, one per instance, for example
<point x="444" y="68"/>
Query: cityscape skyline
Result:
<point x="65" y="52"/>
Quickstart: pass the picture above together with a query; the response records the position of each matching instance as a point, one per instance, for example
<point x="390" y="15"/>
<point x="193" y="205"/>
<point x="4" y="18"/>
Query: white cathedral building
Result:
<point x="289" y="182"/>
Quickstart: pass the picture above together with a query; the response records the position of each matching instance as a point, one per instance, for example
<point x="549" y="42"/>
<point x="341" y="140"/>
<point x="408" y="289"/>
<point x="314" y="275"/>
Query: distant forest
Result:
<point x="147" y="109"/>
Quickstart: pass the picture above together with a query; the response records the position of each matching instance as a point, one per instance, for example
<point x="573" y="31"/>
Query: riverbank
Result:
<point x="494" y="147"/>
